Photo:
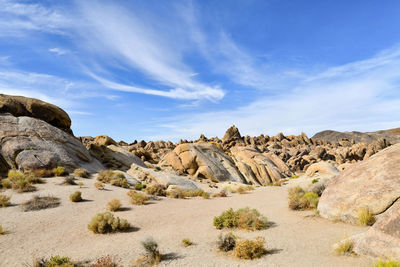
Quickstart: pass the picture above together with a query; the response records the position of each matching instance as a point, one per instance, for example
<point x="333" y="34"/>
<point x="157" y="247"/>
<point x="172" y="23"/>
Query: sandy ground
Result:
<point x="295" y="239"/>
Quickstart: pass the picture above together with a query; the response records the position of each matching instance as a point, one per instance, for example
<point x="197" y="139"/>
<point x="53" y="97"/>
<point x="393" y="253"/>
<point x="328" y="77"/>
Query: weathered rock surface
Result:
<point x="23" y="106"/>
<point x="392" y="135"/>
<point x="322" y="168"/>
<point x="373" y="183"/>
<point x="30" y="143"/>
<point x="382" y="240"/>
<point x="203" y="161"/>
<point x="258" y="168"/>
<point x="150" y="176"/>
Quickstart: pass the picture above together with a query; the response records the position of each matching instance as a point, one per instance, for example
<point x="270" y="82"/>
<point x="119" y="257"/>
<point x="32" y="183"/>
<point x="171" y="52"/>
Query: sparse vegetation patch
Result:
<point x="155" y="190"/>
<point x="4" y="200"/>
<point x="113" y="178"/>
<point x="250" y="249"/>
<point x="39" y="203"/>
<point x="300" y="200"/>
<point x="137" y="198"/>
<point x="365" y="217"/>
<point x="105" y="222"/>
<point x="246" y="218"/>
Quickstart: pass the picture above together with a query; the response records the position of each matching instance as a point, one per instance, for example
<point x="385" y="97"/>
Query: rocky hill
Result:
<point x="391" y="135"/>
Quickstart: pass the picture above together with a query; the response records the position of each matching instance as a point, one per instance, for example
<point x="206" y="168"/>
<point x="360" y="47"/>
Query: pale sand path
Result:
<point x="297" y="239"/>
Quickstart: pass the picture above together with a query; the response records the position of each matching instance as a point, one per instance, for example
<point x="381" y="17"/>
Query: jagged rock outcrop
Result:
<point x="373" y="184"/>
<point x="232" y="134"/>
<point x="392" y="135"/>
<point x="30" y="143"/>
<point x="203" y="161"/>
<point x="23" y="106"/>
<point x="259" y="168"/>
<point x="382" y="240"/>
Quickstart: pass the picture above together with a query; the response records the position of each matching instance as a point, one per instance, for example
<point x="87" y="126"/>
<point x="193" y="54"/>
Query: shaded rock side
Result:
<point x="23" y="106"/>
<point x="203" y="161"/>
<point x="259" y="168"/>
<point x="373" y="183"/>
<point x="29" y="143"/>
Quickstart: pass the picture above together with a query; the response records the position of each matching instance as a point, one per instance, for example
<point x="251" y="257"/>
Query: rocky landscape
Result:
<point x="351" y="175"/>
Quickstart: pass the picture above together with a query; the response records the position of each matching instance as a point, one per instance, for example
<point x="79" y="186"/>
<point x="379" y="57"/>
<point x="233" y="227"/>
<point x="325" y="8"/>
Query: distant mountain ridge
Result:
<point x="392" y="135"/>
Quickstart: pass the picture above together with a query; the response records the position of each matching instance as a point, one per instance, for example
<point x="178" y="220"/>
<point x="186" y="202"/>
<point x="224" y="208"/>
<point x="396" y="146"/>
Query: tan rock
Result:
<point x="323" y="168"/>
<point x="373" y="183"/>
<point x="104" y="140"/>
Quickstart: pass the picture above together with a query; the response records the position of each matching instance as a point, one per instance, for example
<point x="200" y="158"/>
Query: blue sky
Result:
<point x="153" y="70"/>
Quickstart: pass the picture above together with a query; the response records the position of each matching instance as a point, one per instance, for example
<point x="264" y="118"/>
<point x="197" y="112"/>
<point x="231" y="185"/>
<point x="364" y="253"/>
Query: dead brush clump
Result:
<point x="137" y="198"/>
<point x="39" y="203"/>
<point x="107" y="261"/>
<point x="176" y="193"/>
<point x="226" y="242"/>
<point x="42" y="172"/>
<point x="82" y="173"/>
<point x="298" y="199"/>
<point x="20" y="182"/>
<point x="365" y="217"/>
<point x="152" y="255"/>
<point x="105" y="222"/>
<point x="113" y="178"/>
<point x="245" y="218"/>
<point x="69" y="180"/>
<point x="250" y="249"/>
<point x="155" y="190"/>
<point x="114" y="205"/>
<point x="4" y="201"/>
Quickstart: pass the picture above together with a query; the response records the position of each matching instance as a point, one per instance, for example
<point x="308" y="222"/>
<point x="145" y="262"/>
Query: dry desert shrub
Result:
<point x="80" y="184"/>
<point x="114" y="205"/>
<point x="193" y="193"/>
<point x="241" y="190"/>
<point x="140" y="187"/>
<point x="186" y="242"/>
<point x="365" y="217"/>
<point x="137" y="198"/>
<point x="205" y="195"/>
<point x="2" y="231"/>
<point x="226" y="242"/>
<point x="388" y="263"/>
<point x="152" y="255"/>
<point x="249" y="188"/>
<point x="106" y="261"/>
<point x="222" y="193"/>
<point x="82" y="173"/>
<point x="69" y="180"/>
<point x="42" y="172"/>
<point x="113" y="178"/>
<point x="250" y="249"/>
<point x="60" y="171"/>
<point x="20" y="182"/>
<point x="176" y="193"/>
<point x="345" y="247"/>
<point x="105" y="222"/>
<point x="54" y="261"/>
<point x="155" y="190"/>
<point x="300" y="200"/>
<point x="4" y="200"/>
<point x="5" y="183"/>
<point x="39" y="203"/>
<point x="246" y="218"/>
<point x="76" y="197"/>
<point x="99" y="185"/>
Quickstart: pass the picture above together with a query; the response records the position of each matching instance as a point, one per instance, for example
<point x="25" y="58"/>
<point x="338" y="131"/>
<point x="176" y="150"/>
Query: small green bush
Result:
<point x="298" y="199"/>
<point x="152" y="253"/>
<point x="246" y="218"/>
<point x="4" y="201"/>
<point x="19" y="181"/>
<point x="140" y="187"/>
<point x="114" y="205"/>
<point x="155" y="190"/>
<point x="76" y="197"/>
<point x="59" y="261"/>
<point x="81" y="173"/>
<point x="365" y="217"/>
<point x="186" y="242"/>
<point x="205" y="195"/>
<point x="5" y="183"/>
<point x="226" y="242"/>
<point x="99" y="185"/>
<point x="315" y="180"/>
<point x="250" y="249"/>
<point x="137" y="198"/>
<point x="106" y="223"/>
<point x="389" y="263"/>
<point x="59" y="171"/>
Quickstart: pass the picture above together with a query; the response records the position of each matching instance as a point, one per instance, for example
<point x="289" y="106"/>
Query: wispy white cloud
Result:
<point x="58" y="51"/>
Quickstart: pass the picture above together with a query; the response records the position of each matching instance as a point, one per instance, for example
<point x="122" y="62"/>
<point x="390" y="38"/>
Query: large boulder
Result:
<point x="323" y="168"/>
<point x="203" y="161"/>
<point x="383" y="238"/>
<point x="30" y="143"/>
<point x="23" y="106"/>
<point x="373" y="183"/>
<point x="259" y="168"/>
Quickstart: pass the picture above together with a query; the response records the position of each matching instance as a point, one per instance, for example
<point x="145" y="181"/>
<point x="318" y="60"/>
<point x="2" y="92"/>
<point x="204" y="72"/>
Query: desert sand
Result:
<point x="295" y="238"/>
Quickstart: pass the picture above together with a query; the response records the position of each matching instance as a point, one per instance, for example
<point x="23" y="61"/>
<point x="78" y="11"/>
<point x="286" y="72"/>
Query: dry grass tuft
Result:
<point x="345" y="247"/>
<point x="186" y="242"/>
<point x="155" y="190"/>
<point x="82" y="173"/>
<point x="365" y="217"/>
<point x="114" y="205"/>
<point x="4" y="201"/>
<point x="106" y="223"/>
<point x="39" y="203"/>
<point x="389" y="263"/>
<point x="246" y="218"/>
<point x="137" y="198"/>
<point x="76" y="197"/>
<point x="2" y="231"/>
<point x="301" y="200"/>
<point x="250" y="249"/>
